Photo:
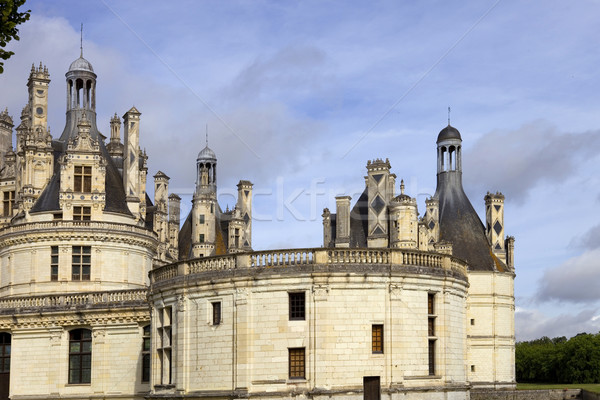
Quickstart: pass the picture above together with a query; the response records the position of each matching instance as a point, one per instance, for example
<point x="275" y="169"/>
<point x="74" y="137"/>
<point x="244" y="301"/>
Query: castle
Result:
<point x="105" y="294"/>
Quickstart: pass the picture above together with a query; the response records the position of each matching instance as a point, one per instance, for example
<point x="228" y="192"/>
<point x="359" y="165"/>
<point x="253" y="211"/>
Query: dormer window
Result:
<point x="83" y="179"/>
<point x="82" y="213"/>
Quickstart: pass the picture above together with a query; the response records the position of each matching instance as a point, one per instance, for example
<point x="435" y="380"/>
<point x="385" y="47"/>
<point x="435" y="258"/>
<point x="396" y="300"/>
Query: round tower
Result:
<point x="449" y="144"/>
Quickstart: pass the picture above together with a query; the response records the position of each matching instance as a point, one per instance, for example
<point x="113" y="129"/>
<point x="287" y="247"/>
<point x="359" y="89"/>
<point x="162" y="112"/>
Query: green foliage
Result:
<point x="559" y="360"/>
<point x="10" y="17"/>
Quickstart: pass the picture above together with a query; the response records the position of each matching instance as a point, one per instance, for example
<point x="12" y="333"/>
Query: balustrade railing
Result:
<point x="306" y="257"/>
<point x="75" y="299"/>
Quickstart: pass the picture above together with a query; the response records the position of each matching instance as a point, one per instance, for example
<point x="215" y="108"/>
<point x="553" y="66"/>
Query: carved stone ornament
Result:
<point x="320" y="292"/>
<point x="181" y="301"/>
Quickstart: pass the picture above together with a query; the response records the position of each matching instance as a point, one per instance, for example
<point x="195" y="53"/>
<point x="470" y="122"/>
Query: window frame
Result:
<point x="8" y="202"/>
<point x="297" y="363"/>
<point x="85" y="337"/>
<point x="77" y="261"/>
<point x="82" y="179"/>
<point x="82" y="213"/>
<point x="54" y="263"/>
<point x="297" y="308"/>
<point x="377" y="336"/>
<point x="216" y="313"/>
<point x="146" y="347"/>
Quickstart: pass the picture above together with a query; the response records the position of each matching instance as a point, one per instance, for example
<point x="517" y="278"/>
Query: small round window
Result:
<point x="39" y="110"/>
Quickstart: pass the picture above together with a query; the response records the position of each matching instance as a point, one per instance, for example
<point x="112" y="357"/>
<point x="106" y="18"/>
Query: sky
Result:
<point x="298" y="96"/>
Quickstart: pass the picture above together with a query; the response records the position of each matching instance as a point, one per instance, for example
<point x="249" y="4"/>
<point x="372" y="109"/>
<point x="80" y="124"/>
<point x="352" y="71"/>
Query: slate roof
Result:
<point x="461" y="226"/>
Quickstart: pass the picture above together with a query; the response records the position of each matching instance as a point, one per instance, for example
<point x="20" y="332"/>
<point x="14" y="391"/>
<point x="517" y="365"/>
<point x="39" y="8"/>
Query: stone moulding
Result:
<point x="65" y="230"/>
<point x="74" y="301"/>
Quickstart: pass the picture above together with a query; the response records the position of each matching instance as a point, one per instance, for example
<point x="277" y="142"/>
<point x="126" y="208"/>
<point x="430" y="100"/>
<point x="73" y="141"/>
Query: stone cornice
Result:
<point x="81" y="230"/>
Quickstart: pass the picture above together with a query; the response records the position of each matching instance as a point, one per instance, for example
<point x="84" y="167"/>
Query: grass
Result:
<point x="591" y="387"/>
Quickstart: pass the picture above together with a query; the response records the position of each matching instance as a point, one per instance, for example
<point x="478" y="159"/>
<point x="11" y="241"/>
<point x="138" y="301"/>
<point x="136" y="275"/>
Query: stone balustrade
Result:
<point x="87" y="225"/>
<point x="108" y="299"/>
<point x="309" y="257"/>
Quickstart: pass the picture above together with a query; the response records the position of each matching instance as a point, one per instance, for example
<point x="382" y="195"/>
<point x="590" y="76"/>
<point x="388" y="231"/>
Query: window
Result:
<point x="80" y="356"/>
<point x="82" y="181"/>
<point x="4" y="352"/>
<point x="472" y="321"/>
<point x="431" y="331"/>
<point x="81" y="263"/>
<point x="430" y="303"/>
<point x="8" y="202"/>
<point x="201" y="218"/>
<point x="164" y="332"/>
<point x="146" y="354"/>
<point x="82" y="213"/>
<point x="297" y="364"/>
<point x="216" y="313"/>
<point x="297" y="306"/>
<point x="202" y="238"/>
<point x="377" y="339"/>
<point x="54" y="263"/>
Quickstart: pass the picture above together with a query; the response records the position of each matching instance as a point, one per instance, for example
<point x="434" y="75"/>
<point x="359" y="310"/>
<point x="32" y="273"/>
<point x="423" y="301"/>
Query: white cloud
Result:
<point x="576" y="280"/>
<point x="532" y="324"/>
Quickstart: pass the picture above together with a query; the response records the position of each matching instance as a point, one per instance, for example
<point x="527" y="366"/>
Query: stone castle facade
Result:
<point x="105" y="293"/>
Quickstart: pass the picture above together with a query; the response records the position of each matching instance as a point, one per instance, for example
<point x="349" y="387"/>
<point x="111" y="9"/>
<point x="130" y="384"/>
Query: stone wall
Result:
<point x="560" y="394"/>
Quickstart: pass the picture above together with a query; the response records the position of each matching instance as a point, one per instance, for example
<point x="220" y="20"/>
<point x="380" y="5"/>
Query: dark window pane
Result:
<point x="297" y="306"/>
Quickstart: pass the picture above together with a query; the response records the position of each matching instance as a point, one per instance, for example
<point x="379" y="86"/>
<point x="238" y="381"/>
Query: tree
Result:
<point x="10" y="17"/>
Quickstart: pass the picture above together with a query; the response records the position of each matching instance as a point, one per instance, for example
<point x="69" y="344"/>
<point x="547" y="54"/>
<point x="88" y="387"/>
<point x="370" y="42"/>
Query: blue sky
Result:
<point x="299" y="95"/>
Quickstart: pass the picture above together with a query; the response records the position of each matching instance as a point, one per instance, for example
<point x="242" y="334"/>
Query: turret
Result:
<point x="38" y="82"/>
<point x="403" y="221"/>
<point x="494" y="217"/>
<point x="174" y="218"/>
<point x="431" y="221"/>
<point x="327" y="228"/>
<point x="6" y="126"/>
<point x="380" y="188"/>
<point x="161" y="223"/>
<point x="244" y="205"/>
<point x="115" y="147"/>
<point x="204" y="204"/>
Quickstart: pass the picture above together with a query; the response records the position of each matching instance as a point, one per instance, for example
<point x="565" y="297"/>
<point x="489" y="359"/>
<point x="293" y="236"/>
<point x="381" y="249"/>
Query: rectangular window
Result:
<point x="81" y="263"/>
<point x="82" y="179"/>
<point x="146" y="355"/>
<point x="431" y="356"/>
<point x="430" y="303"/>
<point x="8" y="202"/>
<point x="216" y="313"/>
<point x="201" y="218"/>
<point x="377" y="339"/>
<point x="431" y="326"/>
<point x="297" y="306"/>
<point x="82" y="213"/>
<point x="164" y="346"/>
<point x="54" y="263"/>
<point x="80" y="356"/>
<point x="297" y="363"/>
<point x="202" y="238"/>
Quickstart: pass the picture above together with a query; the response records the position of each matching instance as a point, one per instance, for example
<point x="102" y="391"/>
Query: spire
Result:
<point x="402" y="186"/>
<point x="448" y="115"/>
<point x="81" y="41"/>
<point x="206" y="135"/>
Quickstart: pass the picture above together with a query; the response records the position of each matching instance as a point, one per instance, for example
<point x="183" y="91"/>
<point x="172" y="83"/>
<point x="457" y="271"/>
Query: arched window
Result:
<point x="80" y="356"/>
<point x="146" y="355"/>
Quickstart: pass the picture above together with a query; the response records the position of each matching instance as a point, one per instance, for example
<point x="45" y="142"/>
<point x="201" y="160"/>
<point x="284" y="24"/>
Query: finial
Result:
<point x="448" y="116"/>
<point x="81" y="41"/>
<point x="402" y="186"/>
<point x="206" y="135"/>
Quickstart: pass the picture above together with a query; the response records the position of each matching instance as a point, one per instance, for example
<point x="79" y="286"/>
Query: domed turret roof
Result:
<point x="81" y="64"/>
<point x="449" y="132"/>
<point x="207" y="154"/>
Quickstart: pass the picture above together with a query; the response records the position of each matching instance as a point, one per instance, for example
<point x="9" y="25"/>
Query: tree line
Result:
<point x="558" y="360"/>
